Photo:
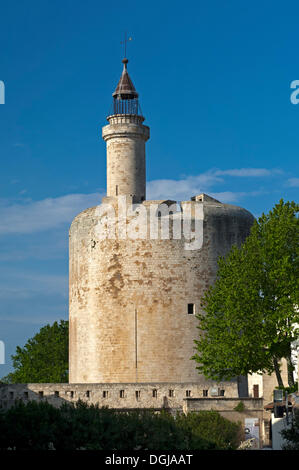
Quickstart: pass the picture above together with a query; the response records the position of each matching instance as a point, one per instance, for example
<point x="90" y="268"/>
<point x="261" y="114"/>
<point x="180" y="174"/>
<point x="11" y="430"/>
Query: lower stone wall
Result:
<point x="117" y="396"/>
<point x="186" y="397"/>
<point x="225" y="404"/>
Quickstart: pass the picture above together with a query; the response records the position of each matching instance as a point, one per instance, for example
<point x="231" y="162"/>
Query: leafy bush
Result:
<point x="211" y="428"/>
<point x="291" y="435"/>
<point x="41" y="426"/>
<point x="30" y="426"/>
<point x="240" y="407"/>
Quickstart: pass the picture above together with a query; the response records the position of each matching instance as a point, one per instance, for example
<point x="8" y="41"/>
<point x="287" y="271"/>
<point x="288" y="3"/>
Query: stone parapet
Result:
<point x="114" y="395"/>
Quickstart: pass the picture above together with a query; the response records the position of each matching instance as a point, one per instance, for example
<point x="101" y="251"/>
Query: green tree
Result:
<point x="29" y="426"/>
<point x="44" y="358"/>
<point x="250" y="315"/>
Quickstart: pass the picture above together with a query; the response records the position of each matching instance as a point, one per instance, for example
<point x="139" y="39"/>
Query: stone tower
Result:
<point x="126" y="136"/>
<point x="133" y="299"/>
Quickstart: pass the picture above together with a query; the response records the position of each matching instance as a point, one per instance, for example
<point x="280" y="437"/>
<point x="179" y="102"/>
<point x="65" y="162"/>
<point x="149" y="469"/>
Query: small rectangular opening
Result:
<point x="72" y="394"/>
<point x="11" y="395"/>
<point x="105" y="394"/>
<point x="188" y="393"/>
<point x="26" y="395"/>
<point x="191" y="309"/>
<point x="121" y="394"/>
<point x="221" y="392"/>
<point x="88" y="393"/>
<point x="137" y="394"/>
<point x="256" y="391"/>
<point x="41" y="394"/>
<point x="205" y="393"/>
<point x="155" y="393"/>
<point x="56" y="393"/>
<point x="116" y="190"/>
<point x="171" y="393"/>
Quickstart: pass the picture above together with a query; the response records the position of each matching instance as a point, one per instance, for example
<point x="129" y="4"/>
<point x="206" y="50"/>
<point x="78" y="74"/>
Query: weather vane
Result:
<point x="126" y="40"/>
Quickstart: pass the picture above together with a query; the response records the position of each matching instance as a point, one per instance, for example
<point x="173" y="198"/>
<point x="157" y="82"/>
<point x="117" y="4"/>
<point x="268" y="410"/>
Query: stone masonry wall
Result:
<point x="126" y="171"/>
<point x="116" y="396"/>
<point x="129" y="299"/>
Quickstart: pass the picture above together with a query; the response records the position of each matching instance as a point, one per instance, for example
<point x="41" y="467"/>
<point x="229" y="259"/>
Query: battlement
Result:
<point x="156" y="396"/>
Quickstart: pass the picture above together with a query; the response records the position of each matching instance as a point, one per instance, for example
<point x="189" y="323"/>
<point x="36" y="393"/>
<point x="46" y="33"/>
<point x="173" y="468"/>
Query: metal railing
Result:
<point x="125" y="106"/>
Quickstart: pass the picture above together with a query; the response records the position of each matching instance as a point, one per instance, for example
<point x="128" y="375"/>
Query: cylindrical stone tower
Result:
<point x="126" y="136"/>
<point x="133" y="301"/>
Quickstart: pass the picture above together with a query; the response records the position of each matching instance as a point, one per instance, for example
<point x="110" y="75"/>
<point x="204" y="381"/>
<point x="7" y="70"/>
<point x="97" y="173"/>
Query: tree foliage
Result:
<point x="41" y="426"/>
<point x="217" y="431"/>
<point x="44" y="358"/>
<point x="291" y="434"/>
<point x="250" y="316"/>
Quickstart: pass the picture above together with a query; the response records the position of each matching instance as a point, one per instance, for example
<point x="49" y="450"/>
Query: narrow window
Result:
<point x="105" y="394"/>
<point x="191" y="309"/>
<point x="41" y="394"/>
<point x="116" y="190"/>
<point x="26" y="395"/>
<point x="205" y="393"/>
<point x="72" y="394"/>
<point x="256" y="391"/>
<point x="137" y="394"/>
<point x="56" y="393"/>
<point x="88" y="393"/>
<point x="171" y="393"/>
<point x="221" y="393"/>
<point x="121" y="394"/>
<point x="188" y="393"/>
<point x="155" y="393"/>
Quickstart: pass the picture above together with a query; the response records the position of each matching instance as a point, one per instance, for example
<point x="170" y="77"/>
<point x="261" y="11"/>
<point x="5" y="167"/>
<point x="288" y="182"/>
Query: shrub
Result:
<point x="30" y="426"/>
<point x="210" y="428"/>
<point x="291" y="435"/>
<point x="41" y="426"/>
<point x="240" y="407"/>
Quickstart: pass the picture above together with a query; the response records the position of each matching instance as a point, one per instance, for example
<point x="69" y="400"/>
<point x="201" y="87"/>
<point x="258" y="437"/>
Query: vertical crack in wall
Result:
<point x="136" y="346"/>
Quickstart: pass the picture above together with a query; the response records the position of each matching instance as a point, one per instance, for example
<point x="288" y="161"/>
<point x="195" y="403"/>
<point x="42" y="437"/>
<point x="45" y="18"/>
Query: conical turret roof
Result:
<point x="125" y="88"/>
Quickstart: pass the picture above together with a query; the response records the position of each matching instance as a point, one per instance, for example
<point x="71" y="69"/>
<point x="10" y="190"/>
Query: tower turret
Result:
<point x="126" y="136"/>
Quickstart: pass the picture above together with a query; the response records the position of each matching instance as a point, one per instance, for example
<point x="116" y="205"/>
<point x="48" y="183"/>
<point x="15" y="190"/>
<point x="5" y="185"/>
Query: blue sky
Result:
<point x="214" y="84"/>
